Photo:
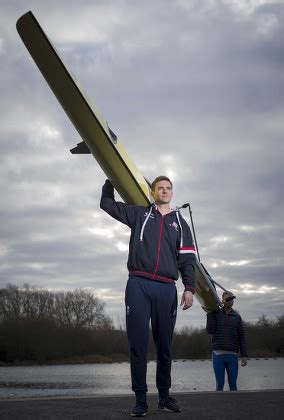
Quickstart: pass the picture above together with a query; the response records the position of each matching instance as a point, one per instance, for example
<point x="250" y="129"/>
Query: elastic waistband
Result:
<point x="151" y="276"/>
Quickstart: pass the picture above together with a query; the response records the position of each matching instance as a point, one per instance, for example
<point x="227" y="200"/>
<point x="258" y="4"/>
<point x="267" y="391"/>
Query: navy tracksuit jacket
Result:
<point x="160" y="248"/>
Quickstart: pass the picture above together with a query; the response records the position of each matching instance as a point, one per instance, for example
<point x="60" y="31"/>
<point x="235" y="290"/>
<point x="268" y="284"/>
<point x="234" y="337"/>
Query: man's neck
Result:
<point x="228" y="310"/>
<point x="164" y="208"/>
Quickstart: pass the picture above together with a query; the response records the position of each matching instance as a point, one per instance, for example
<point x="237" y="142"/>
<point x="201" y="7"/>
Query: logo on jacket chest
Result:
<point x="151" y="215"/>
<point x="174" y="225"/>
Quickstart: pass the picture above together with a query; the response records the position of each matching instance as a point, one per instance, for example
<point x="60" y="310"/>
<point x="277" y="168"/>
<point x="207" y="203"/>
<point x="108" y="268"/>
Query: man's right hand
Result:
<point x="186" y="300"/>
<point x="244" y="361"/>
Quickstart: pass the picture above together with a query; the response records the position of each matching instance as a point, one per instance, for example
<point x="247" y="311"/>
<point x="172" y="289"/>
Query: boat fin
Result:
<point x="81" y="148"/>
<point x="113" y="136"/>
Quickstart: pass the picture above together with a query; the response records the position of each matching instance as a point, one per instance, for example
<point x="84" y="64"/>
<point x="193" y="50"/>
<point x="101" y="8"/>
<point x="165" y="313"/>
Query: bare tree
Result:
<point x="77" y="308"/>
<point x="38" y="303"/>
<point x="11" y="303"/>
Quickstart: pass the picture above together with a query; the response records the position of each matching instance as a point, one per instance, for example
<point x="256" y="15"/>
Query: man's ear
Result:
<point x="152" y="194"/>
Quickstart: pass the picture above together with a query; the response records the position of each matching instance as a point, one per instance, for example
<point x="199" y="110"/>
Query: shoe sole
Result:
<point x="139" y="415"/>
<point x="168" y="411"/>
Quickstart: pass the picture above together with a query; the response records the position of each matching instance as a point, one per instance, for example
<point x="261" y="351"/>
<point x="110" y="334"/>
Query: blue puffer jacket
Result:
<point x="160" y="246"/>
<point x="227" y="331"/>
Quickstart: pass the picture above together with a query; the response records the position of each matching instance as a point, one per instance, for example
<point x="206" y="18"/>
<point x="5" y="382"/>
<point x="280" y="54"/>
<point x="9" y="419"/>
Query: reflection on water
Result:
<point x="114" y="378"/>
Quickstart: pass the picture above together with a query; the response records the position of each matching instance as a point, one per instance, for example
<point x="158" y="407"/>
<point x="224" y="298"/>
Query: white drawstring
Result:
<point x="181" y="234"/>
<point x="145" y="221"/>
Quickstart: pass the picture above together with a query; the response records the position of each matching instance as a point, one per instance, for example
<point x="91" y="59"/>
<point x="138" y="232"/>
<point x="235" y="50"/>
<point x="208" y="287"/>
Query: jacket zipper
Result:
<point x="159" y="245"/>
<point x="227" y="331"/>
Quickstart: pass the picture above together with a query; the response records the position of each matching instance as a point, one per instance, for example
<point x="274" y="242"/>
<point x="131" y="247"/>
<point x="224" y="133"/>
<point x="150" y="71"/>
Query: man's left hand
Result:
<point x="186" y="300"/>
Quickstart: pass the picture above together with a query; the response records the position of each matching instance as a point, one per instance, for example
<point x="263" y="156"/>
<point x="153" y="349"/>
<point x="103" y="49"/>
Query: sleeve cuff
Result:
<point x="189" y="289"/>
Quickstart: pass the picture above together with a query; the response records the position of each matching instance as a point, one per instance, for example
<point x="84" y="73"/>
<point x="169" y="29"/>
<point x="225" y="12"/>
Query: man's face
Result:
<point x="230" y="303"/>
<point x="163" y="192"/>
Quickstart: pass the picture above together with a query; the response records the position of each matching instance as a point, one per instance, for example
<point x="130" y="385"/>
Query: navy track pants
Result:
<point x="147" y="300"/>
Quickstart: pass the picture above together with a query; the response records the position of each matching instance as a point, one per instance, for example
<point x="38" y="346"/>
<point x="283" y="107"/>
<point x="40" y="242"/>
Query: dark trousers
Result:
<point x="228" y="362"/>
<point x="147" y="300"/>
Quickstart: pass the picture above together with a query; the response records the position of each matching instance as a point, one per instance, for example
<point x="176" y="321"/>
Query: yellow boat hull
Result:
<point x="94" y="130"/>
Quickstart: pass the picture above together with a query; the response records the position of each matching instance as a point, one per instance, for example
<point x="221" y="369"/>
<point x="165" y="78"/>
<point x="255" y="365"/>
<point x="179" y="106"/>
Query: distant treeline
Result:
<point x="39" y="326"/>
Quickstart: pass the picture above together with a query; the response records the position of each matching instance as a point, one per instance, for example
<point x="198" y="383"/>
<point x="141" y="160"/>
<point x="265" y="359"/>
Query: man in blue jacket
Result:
<point x="160" y="248"/>
<point x="228" y="337"/>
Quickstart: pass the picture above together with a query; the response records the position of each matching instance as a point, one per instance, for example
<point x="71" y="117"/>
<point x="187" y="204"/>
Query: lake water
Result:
<point x="114" y="378"/>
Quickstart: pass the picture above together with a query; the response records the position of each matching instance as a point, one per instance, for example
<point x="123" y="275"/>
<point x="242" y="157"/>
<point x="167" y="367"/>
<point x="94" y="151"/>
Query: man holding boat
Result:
<point x="160" y="248"/>
<point x="228" y="336"/>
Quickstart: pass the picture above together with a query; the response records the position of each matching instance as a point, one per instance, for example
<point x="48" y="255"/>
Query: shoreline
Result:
<point x="99" y="359"/>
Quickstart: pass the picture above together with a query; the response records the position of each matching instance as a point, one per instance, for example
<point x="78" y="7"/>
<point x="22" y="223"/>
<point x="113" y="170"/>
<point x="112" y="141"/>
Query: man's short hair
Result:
<point x="230" y="297"/>
<point x="158" y="179"/>
<point x="227" y="293"/>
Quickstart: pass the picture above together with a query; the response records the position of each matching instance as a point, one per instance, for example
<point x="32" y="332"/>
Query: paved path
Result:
<point x="242" y="405"/>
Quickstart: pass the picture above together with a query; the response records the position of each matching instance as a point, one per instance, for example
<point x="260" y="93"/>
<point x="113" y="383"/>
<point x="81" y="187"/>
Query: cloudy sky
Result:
<point x="194" y="89"/>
